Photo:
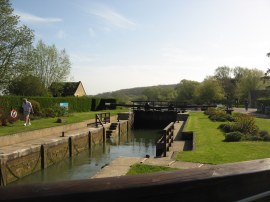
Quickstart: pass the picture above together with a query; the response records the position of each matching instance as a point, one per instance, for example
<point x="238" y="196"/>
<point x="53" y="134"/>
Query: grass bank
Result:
<point x="138" y="169"/>
<point x="18" y="126"/>
<point x="211" y="149"/>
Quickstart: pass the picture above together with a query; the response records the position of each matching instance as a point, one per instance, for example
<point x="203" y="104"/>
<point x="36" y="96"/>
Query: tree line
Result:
<point x="25" y="68"/>
<point x="227" y="84"/>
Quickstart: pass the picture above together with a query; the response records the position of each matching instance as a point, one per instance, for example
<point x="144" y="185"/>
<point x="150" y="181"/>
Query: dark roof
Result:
<point x="68" y="88"/>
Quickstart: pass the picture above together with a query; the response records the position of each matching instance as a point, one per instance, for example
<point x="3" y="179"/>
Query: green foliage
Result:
<point x="50" y="64"/>
<point x="218" y="115"/>
<point x="211" y="147"/>
<point x="185" y="91"/>
<point x="262" y="103"/>
<point x="245" y="124"/>
<point x="248" y="80"/>
<point x="27" y="86"/>
<point x="260" y="136"/>
<point x="264" y="134"/>
<point x="76" y="104"/>
<point x="233" y="136"/>
<point x="143" y="169"/>
<point x="36" y="107"/>
<point x="163" y="92"/>
<point x="209" y="91"/>
<point x="55" y="111"/>
<point x="226" y="127"/>
<point x="40" y="123"/>
<point x="159" y="93"/>
<point x="10" y="102"/>
<point x="224" y="75"/>
<point x="14" y="40"/>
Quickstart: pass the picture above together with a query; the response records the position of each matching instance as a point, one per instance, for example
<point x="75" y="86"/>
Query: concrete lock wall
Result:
<point x="123" y="127"/>
<point x="23" y="162"/>
<point x="25" y="136"/>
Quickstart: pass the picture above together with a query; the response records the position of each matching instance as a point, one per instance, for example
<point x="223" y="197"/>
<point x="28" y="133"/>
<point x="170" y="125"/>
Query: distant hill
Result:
<point x="139" y="93"/>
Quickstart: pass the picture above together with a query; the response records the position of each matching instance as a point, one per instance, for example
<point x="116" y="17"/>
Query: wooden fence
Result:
<point x="103" y="118"/>
<point x="166" y="140"/>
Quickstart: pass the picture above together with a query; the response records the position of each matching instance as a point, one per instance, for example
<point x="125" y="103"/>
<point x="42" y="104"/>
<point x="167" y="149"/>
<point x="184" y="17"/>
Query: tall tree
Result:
<point x="49" y="64"/>
<point x="13" y="41"/>
<point x="210" y="91"/>
<point x="27" y="86"/>
<point x="250" y="80"/>
<point x="185" y="91"/>
<point x="224" y="76"/>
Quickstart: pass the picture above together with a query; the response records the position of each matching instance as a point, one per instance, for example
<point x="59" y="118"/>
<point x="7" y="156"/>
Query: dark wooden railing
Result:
<point x="102" y="118"/>
<point x="161" y="105"/>
<point x="165" y="141"/>
<point x="248" y="181"/>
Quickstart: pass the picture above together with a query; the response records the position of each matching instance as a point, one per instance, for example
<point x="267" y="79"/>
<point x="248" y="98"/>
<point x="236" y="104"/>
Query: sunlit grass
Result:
<point x="18" y="126"/>
<point x="143" y="169"/>
<point x="211" y="149"/>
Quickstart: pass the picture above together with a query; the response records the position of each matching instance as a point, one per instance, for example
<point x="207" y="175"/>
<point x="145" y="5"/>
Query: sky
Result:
<point x="120" y="44"/>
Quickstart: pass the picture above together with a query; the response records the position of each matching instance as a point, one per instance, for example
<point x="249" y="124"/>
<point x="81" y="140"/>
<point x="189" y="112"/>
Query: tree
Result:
<point x="50" y="65"/>
<point x="14" y="40"/>
<point x="223" y="75"/>
<point x="268" y="70"/>
<point x="210" y="91"/>
<point x="27" y="86"/>
<point x="159" y="93"/>
<point x="249" y="80"/>
<point x="223" y="72"/>
<point x="185" y="91"/>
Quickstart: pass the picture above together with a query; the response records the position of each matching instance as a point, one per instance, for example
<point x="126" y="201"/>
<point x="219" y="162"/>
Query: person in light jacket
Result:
<point x="27" y="109"/>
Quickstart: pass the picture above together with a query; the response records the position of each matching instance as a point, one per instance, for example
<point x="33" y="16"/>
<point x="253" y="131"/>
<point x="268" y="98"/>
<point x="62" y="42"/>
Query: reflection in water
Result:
<point x="136" y="143"/>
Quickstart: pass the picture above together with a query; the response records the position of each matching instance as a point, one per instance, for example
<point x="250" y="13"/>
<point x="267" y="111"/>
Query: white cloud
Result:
<point x="27" y="17"/>
<point x="112" y="17"/>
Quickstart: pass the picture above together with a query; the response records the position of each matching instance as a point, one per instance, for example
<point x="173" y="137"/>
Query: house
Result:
<point x="65" y="89"/>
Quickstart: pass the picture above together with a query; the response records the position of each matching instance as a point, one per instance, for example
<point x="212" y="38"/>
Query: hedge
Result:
<point x="76" y="104"/>
<point x="264" y="101"/>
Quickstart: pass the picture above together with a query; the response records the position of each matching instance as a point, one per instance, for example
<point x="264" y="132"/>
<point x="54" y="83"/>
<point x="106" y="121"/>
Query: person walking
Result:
<point x="27" y="109"/>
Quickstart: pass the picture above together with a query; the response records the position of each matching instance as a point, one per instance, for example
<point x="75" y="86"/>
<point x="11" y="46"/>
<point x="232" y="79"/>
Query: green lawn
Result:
<point x="211" y="149"/>
<point x="51" y="122"/>
<point x="142" y="169"/>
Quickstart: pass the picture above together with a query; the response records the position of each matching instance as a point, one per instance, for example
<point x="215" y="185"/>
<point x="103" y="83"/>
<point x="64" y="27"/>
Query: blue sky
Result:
<point x="118" y="44"/>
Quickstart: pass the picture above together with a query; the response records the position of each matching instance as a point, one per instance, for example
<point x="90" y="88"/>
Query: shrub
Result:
<point x="260" y="136"/>
<point x="264" y="135"/>
<point x="226" y="127"/>
<point x="55" y="111"/>
<point x="36" y="107"/>
<point x="218" y="114"/>
<point x="210" y="111"/>
<point x="245" y="124"/>
<point x="233" y="136"/>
